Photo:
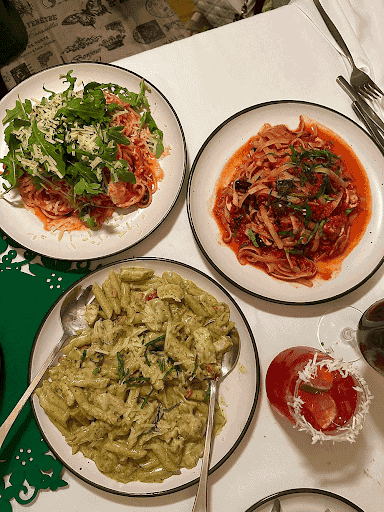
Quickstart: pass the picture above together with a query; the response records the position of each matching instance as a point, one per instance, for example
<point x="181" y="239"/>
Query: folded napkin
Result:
<point x="360" y="22"/>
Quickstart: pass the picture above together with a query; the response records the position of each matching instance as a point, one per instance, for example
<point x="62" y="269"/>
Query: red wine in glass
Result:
<point x="349" y="334"/>
<point x="370" y="336"/>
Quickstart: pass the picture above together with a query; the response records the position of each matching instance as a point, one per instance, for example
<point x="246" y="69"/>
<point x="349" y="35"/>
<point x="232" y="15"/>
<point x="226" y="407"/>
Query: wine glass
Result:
<point x="349" y="334"/>
<point x="337" y="334"/>
<point x="370" y="336"/>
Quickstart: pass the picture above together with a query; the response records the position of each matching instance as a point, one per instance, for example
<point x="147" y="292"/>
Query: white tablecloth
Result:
<point x="207" y="78"/>
<point x="361" y="25"/>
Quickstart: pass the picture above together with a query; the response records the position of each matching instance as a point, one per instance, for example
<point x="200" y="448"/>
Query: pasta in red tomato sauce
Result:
<point x="290" y="204"/>
<point x="54" y="205"/>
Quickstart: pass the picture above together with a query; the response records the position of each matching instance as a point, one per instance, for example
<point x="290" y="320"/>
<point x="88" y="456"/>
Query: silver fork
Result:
<point x="360" y="81"/>
<point x="72" y="318"/>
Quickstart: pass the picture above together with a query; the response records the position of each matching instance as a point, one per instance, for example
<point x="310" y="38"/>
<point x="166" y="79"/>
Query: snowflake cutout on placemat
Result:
<point x="29" y="284"/>
<point x="28" y="471"/>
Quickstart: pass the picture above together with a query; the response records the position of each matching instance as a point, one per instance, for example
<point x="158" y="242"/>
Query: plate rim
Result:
<point x="303" y="490"/>
<point x="194" y="231"/>
<point x="233" y="302"/>
<point x="184" y="152"/>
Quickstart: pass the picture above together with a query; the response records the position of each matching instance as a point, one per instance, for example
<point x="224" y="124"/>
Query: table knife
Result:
<point x="276" y="506"/>
<point x="367" y="109"/>
<point x="371" y="127"/>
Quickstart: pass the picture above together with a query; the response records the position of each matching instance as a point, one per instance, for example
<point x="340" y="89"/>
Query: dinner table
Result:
<point x="285" y="54"/>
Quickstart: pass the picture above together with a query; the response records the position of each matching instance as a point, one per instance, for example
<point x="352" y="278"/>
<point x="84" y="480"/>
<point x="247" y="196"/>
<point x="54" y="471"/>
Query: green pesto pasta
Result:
<point x="130" y="391"/>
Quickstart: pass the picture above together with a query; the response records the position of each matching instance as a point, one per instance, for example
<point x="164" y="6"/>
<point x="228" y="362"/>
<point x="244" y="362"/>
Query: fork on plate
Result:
<point x="359" y="80"/>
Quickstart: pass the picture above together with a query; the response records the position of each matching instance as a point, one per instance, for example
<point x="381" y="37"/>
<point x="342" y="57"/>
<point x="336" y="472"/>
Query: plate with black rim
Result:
<point x="243" y="381"/>
<point x="358" y="266"/>
<point x="306" y="500"/>
<point x="126" y="228"/>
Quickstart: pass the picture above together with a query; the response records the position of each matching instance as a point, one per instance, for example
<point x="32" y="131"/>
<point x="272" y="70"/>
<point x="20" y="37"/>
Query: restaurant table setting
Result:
<point x="209" y="93"/>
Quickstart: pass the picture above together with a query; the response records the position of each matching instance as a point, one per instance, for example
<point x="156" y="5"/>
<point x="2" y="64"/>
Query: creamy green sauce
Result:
<point x="130" y="392"/>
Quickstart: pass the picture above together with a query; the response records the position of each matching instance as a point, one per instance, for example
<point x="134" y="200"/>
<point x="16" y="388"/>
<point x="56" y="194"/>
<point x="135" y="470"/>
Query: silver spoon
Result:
<point x="72" y="319"/>
<point x="276" y="506"/>
<point x="229" y="361"/>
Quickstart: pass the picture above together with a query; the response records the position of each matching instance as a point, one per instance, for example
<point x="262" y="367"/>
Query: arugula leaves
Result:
<point x="114" y="134"/>
<point x="88" y="109"/>
<point x="13" y="171"/>
<point x="20" y="111"/>
<point x="157" y="135"/>
<point x="69" y="136"/>
<point x="90" y="221"/>
<point x="54" y="151"/>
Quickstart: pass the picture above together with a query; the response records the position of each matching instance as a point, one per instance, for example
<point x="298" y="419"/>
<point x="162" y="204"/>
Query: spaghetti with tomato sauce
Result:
<point x="52" y="203"/>
<point x="77" y="156"/>
<point x="293" y="203"/>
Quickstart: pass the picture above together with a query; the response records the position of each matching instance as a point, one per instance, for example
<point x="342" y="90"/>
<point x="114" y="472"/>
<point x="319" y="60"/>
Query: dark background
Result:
<point x="3" y="89"/>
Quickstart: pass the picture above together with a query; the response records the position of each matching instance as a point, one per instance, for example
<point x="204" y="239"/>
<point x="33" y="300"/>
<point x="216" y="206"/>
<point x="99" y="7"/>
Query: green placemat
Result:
<point x="28" y="288"/>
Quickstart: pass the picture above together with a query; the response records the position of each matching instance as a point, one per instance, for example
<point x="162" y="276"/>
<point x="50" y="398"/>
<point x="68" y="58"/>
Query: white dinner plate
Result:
<point x="125" y="229"/>
<point x="243" y="381"/>
<point x="219" y="147"/>
<point x="306" y="500"/>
